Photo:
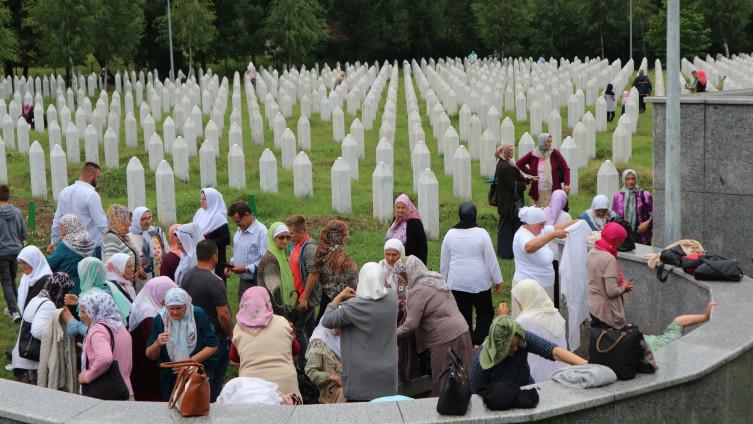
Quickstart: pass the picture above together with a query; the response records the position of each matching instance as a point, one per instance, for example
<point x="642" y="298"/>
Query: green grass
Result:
<point x="367" y="234"/>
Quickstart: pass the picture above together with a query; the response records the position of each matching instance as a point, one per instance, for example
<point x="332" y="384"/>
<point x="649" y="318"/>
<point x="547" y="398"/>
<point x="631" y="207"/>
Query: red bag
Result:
<point x="691" y="262"/>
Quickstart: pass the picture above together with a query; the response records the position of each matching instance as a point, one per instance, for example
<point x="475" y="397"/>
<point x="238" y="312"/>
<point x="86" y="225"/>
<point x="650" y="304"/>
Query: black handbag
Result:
<point x="492" y="196"/>
<point x="672" y="256"/>
<point x="717" y="268"/>
<point x="619" y="350"/>
<point x="110" y="385"/>
<point x="28" y="345"/>
<point x="456" y="389"/>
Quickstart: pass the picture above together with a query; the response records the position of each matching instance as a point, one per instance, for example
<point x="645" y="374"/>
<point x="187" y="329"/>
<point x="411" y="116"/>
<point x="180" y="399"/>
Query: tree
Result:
<point x="8" y="42"/>
<point x="695" y="37"/>
<point x="118" y="27"/>
<point x="296" y="27"/>
<point x="598" y="16"/>
<point x="503" y="24"/>
<point x="62" y="30"/>
<point x="727" y="20"/>
<point x="193" y="27"/>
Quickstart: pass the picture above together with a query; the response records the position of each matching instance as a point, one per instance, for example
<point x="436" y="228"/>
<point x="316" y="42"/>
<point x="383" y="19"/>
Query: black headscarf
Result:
<point x="609" y="90"/>
<point x="467" y="214"/>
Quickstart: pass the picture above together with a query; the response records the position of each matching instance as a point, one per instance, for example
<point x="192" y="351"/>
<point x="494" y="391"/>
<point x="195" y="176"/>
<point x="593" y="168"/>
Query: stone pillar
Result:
<point x="236" y="167"/>
<point x="525" y="145"/>
<point x="53" y="133"/>
<point x="156" y="151"/>
<point x="148" y="127"/>
<point x="451" y="142"/>
<point x="168" y="134"/>
<point x="428" y="203"/>
<point x="189" y="137"/>
<point x="235" y="135"/>
<point x="465" y="117"/>
<point x="569" y="150"/>
<point x="37" y="171"/>
<point x="488" y="160"/>
<point x="288" y="149"/>
<point x="91" y="145"/>
<point x="340" y="180"/>
<point x="257" y="128"/>
<point x="303" y="182"/>
<point x="58" y="170"/>
<point x="461" y="174"/>
<point x="208" y="164"/>
<point x="350" y="155"/>
<point x="9" y="132"/>
<point x="620" y="153"/>
<point x="268" y="172"/>
<point x="180" y="159"/>
<point x="607" y="180"/>
<point x="382" y="191"/>
<point x="304" y="134"/>
<point x="357" y="131"/>
<point x="590" y="124"/>
<point x="555" y="128"/>
<point x="536" y="118"/>
<point x="338" y="125"/>
<point x="420" y="160"/>
<point x="72" y="148"/>
<point x="3" y="164"/>
<point x="520" y="107"/>
<point x="581" y="140"/>
<point x="130" y="130"/>
<point x="22" y="135"/>
<point x="601" y="114"/>
<point x="136" y="186"/>
<point x="112" y="154"/>
<point x="165" y="183"/>
<point x="474" y="136"/>
<point x="506" y="132"/>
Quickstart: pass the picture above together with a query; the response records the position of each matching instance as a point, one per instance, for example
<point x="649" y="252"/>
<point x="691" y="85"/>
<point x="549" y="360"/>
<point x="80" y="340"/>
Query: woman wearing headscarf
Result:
<point x="510" y="182"/>
<point x="538" y="315"/>
<point x="366" y="319"/>
<point x="606" y="284"/>
<point x="470" y="267"/>
<point x="504" y="355"/>
<point x="58" y="365"/>
<point x="549" y="166"/>
<point x="611" y="102"/>
<point x="180" y="331"/>
<point x="35" y="272"/>
<point x="116" y="239"/>
<point x="408" y="228"/>
<point x="172" y="258"/>
<point x="323" y="365"/>
<point x="38" y="314"/>
<point x="274" y="271"/>
<point x="189" y="235"/>
<point x="120" y="273"/>
<point x="556" y="213"/>
<point x="635" y="206"/>
<point x="263" y="341"/>
<point x="393" y="251"/>
<point x="433" y="316"/>
<point x="698" y="85"/>
<point x="336" y="268"/>
<point x="599" y="214"/>
<point x="211" y="218"/>
<point x="147" y="305"/>
<point x="148" y="240"/>
<point x="75" y="244"/>
<point x="107" y="339"/>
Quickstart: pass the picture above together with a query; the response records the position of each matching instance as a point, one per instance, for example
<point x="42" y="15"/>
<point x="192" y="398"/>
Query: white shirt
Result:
<point x="537" y="265"/>
<point x="468" y="262"/>
<point x="40" y="320"/>
<point x="249" y="246"/>
<point x="81" y="199"/>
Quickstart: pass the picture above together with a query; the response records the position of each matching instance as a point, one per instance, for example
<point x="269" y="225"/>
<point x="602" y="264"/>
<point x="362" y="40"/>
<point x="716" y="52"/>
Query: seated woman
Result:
<point x="37" y="315"/>
<point x="599" y="214"/>
<point x="323" y="366"/>
<point x="36" y="271"/>
<point x="635" y="206"/>
<point x="106" y="341"/>
<point x="274" y="271"/>
<point x="75" y="244"/>
<point x="433" y="316"/>
<point x="147" y="305"/>
<point x="366" y="319"/>
<point x="538" y="315"/>
<point x="263" y="341"/>
<point x="504" y="355"/>
<point x="180" y="331"/>
<point x="606" y="284"/>
<point x="172" y="258"/>
<point x="148" y="240"/>
<point x="120" y="273"/>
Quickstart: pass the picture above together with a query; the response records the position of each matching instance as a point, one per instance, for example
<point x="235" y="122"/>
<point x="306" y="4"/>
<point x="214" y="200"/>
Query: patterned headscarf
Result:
<point x="172" y="238"/>
<point x="398" y="229"/>
<point x="183" y="333"/>
<point x="118" y="220"/>
<point x="101" y="308"/>
<point x="330" y="249"/>
<point x="256" y="309"/>
<point x="496" y="346"/>
<point x="56" y="287"/>
<point x="415" y="272"/>
<point x="76" y="237"/>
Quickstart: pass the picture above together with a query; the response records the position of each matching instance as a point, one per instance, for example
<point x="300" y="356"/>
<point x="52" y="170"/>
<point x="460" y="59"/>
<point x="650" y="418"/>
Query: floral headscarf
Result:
<point x="76" y="237"/>
<point x="118" y="220"/>
<point x="183" y="333"/>
<point x="56" y="287"/>
<point x="101" y="308"/>
<point x="255" y="310"/>
<point x="330" y="251"/>
<point x="415" y="272"/>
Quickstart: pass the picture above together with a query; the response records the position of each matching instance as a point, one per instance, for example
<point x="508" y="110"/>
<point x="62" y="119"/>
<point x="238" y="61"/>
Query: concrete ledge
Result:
<point x="733" y="97"/>
<point x="704" y="377"/>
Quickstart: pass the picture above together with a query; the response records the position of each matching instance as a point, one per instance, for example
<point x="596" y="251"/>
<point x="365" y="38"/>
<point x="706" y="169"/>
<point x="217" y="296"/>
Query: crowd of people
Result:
<point x="117" y="296"/>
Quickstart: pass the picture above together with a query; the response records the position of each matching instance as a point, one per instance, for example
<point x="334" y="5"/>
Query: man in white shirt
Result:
<point x="249" y="245"/>
<point x="82" y="199"/>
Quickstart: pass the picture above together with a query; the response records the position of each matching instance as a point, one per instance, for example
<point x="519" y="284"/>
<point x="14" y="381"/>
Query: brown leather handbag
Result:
<point x="191" y="392"/>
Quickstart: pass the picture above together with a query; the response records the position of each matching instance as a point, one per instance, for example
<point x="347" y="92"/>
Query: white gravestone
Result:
<point x="156" y="151"/>
<point x="268" y="172"/>
<point x="303" y="183"/>
<point x="72" y="148"/>
<point x="461" y="174"/>
<point x="91" y="145"/>
<point x="356" y="130"/>
<point x="180" y="159"/>
<point x="607" y="180"/>
<point x="38" y="171"/>
<point x="350" y="155"/>
<point x="112" y="154"/>
<point x="488" y="160"/>
<point x="165" y="183"/>
<point x="381" y="192"/>
<point x="570" y="152"/>
<point x="420" y="160"/>
<point x="208" y="164"/>
<point x="135" y="183"/>
<point x="525" y="145"/>
<point x="428" y="203"/>
<point x="236" y="167"/>
<point x="338" y="125"/>
<point x="385" y="153"/>
<point x="451" y="142"/>
<point x="3" y="164"/>
<point x="58" y="170"/>
<point x="340" y="180"/>
<point x="22" y="135"/>
<point x="288" y="149"/>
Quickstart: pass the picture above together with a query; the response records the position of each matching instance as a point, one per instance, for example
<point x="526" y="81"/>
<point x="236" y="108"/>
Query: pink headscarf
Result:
<point x="256" y="309"/>
<point x="148" y="303"/>
<point x="556" y="206"/>
<point x="398" y="228"/>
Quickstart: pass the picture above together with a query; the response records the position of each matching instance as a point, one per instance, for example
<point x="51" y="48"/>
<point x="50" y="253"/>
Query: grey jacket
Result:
<point x="12" y="230"/>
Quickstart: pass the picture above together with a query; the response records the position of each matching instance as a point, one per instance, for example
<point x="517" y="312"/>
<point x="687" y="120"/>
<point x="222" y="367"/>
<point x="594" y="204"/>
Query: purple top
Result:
<point x="644" y="207"/>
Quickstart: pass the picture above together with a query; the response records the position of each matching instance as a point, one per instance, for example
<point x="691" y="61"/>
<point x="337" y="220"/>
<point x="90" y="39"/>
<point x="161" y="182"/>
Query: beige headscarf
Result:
<point x="544" y="155"/>
<point x="536" y="306"/>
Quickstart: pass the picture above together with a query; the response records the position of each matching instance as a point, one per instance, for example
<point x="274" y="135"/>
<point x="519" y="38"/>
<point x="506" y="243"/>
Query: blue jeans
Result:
<point x="8" y="267"/>
<point x="217" y="367"/>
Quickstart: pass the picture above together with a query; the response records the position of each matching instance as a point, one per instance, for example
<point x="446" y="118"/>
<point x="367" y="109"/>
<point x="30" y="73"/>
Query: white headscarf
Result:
<point x="183" y="333"/>
<point x="281" y="228"/>
<point x="215" y="215"/>
<point x="116" y="267"/>
<point x="136" y="229"/>
<point x="536" y="306"/>
<point x="328" y="337"/>
<point x="371" y="282"/>
<point x="189" y="235"/>
<point x="599" y="202"/>
<point x="39" y="268"/>
<point x="532" y="215"/>
<point x="389" y="277"/>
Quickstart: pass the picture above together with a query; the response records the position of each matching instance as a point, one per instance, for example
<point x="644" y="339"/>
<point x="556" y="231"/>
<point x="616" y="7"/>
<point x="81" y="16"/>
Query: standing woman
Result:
<point x="635" y="206"/>
<point x="172" y="258"/>
<point x="36" y="271"/>
<point x="393" y="251"/>
<point x="211" y="217"/>
<point x="116" y="239"/>
<point x="94" y="279"/>
<point x="75" y="244"/>
<point x="548" y="164"/>
<point x="120" y="273"/>
<point x="274" y="271"/>
<point x="336" y="268"/>
<point x="469" y="267"/>
<point x="510" y="183"/>
<point x="188" y="235"/>
<point x="606" y="284"/>
<point x="611" y="102"/>
<point x="148" y="240"/>
<point x="147" y="305"/>
<point x="408" y="228"/>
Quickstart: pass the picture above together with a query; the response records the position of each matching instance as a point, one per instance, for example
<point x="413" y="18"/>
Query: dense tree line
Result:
<point x="61" y="33"/>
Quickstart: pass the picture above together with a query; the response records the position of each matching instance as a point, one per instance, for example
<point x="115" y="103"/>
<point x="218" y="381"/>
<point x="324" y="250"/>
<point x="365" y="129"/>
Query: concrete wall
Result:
<point x="716" y="169"/>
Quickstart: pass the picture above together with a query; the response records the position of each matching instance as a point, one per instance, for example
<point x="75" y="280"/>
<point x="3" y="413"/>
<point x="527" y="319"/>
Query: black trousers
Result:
<point x="505" y="232"/>
<point x="482" y="301"/>
<point x="610" y="116"/>
<point x="322" y="307"/>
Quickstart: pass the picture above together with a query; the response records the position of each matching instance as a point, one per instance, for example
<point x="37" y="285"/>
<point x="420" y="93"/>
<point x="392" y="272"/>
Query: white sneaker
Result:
<point x="6" y="312"/>
<point x="16" y="317"/>
<point x="9" y="367"/>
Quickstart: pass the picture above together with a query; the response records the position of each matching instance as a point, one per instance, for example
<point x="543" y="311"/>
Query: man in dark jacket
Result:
<point x="643" y="85"/>
<point x="12" y="236"/>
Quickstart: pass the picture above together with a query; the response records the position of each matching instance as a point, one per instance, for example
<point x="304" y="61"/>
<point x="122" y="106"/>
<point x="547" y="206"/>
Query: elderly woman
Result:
<point x="538" y="315"/>
<point x="263" y="340"/>
<point x="117" y="240"/>
<point x="606" y="284"/>
<point x="36" y="318"/>
<point x="393" y="251"/>
<point x="407" y="228"/>
<point x="148" y="240"/>
<point x="189" y="235"/>
<point x="533" y="255"/>
<point x="635" y="206"/>
<point x="549" y="167"/>
<point x="336" y="268"/>
<point x="510" y="182"/>
<point x="469" y="266"/>
<point x="120" y="273"/>
<point x="172" y="258"/>
<point x="366" y="318"/>
<point x="211" y="217"/>
<point x="599" y="214"/>
<point x="274" y="271"/>
<point x="323" y="366"/>
<point x="147" y="305"/>
<point x="74" y="245"/>
<point x="433" y="317"/>
<point x="107" y="340"/>
<point x="180" y="331"/>
<point x="36" y="271"/>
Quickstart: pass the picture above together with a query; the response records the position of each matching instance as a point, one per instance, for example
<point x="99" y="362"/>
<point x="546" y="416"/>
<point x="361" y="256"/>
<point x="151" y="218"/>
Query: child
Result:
<point x="625" y="95"/>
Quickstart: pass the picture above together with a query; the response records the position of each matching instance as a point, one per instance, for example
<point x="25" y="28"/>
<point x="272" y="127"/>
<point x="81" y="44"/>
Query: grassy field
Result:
<point x="367" y="234"/>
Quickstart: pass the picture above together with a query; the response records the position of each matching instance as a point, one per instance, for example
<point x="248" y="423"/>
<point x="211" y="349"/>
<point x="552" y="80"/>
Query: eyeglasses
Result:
<point x="283" y="237"/>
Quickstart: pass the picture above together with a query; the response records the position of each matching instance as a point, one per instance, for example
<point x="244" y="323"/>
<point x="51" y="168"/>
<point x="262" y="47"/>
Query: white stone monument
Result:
<point x="236" y="167"/>
<point x="165" y="183"/>
<point x="135" y="183"/>
<point x="607" y="180"/>
<point x="350" y="155"/>
<point x="340" y="180"/>
<point x="112" y="154"/>
<point x="303" y="181"/>
<point x="58" y="170"/>
<point x="461" y="174"/>
<point x="208" y="164"/>
<point x="428" y="203"/>
<point x="180" y="159"/>
<point x="268" y="172"/>
<point x="381" y="191"/>
<point x="37" y="171"/>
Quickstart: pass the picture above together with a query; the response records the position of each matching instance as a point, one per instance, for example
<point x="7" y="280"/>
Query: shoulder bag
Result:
<point x="456" y="389"/>
<point x="619" y="350"/>
<point x="190" y="395"/>
<point x="110" y="385"/>
<point x="28" y="345"/>
<point x="717" y="268"/>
